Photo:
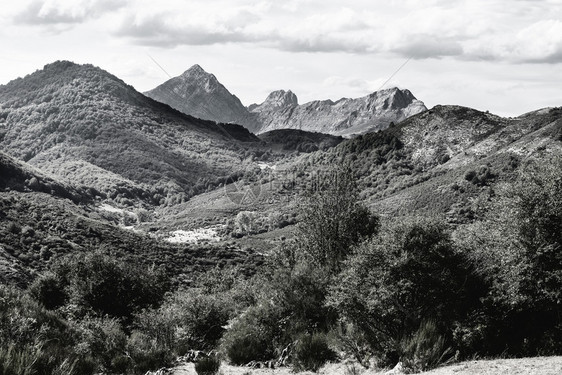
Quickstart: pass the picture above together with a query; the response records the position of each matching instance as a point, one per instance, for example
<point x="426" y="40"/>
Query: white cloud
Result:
<point x="323" y="48"/>
<point x="52" y="12"/>
<point x="516" y="31"/>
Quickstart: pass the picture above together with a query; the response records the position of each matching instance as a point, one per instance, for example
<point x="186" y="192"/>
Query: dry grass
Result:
<point x="520" y="366"/>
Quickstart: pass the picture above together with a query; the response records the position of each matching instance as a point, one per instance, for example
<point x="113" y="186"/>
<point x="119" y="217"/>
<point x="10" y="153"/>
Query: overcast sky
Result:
<point x="497" y="55"/>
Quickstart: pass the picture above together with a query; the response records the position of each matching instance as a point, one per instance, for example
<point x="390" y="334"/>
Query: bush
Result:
<point x="298" y="290"/>
<point x="13" y="227"/>
<point x="104" y="340"/>
<point x="425" y="349"/>
<point x="517" y="250"/>
<point x="254" y="335"/>
<point x="207" y="366"/>
<point x="34" y="340"/>
<point x="18" y="361"/>
<point x="199" y="318"/>
<point x="159" y="325"/>
<point x="312" y="352"/>
<point x="145" y="353"/>
<point x="409" y="273"/>
<point x="48" y="290"/>
<point x="333" y="221"/>
<point x="187" y="320"/>
<point x="352" y="340"/>
<point x="99" y="284"/>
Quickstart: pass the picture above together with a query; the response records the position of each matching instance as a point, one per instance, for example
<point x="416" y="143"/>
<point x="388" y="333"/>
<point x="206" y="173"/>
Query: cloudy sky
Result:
<point x="497" y="55"/>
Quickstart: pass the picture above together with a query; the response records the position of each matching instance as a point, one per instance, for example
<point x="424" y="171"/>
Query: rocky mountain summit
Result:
<point x="200" y="94"/>
<point x="344" y="117"/>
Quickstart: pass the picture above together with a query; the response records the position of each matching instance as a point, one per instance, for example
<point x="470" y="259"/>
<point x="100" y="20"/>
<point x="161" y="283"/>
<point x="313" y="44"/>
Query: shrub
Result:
<point x="253" y="335"/>
<point x="104" y="340"/>
<point x="13" y="227"/>
<point x="208" y="366"/>
<point x="312" y="352"/>
<point x="333" y="221"/>
<point x="517" y="250"/>
<point x="299" y="293"/>
<point x="34" y="340"/>
<point x="18" y="361"/>
<point x="187" y="320"/>
<point x="425" y="349"/>
<point x="352" y="340"/>
<point x="470" y="175"/>
<point x="100" y="284"/>
<point x="145" y="353"/>
<point x="202" y="318"/>
<point x="48" y="290"/>
<point x="158" y="324"/>
<point x="409" y="273"/>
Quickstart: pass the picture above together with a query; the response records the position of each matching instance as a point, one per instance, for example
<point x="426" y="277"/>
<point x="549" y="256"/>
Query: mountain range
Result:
<point x="200" y="94"/>
<point x="82" y="124"/>
<point x="87" y="161"/>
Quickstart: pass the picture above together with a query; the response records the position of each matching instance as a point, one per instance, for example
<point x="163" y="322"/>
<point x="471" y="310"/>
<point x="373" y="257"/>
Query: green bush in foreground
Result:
<point x="208" y="366"/>
<point x="253" y="336"/>
<point x="146" y="355"/>
<point x="312" y="352"/>
<point x="425" y="349"/>
<point x="410" y="273"/>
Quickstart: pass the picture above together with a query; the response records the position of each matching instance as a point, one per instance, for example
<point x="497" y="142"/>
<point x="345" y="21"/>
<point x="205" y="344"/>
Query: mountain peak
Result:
<point x="198" y="73"/>
<point x="200" y="94"/>
<point x="394" y="99"/>
<point x="196" y="70"/>
<point x="281" y="98"/>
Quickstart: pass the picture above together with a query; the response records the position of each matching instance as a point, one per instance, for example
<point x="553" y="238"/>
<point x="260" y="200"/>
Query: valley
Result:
<point x="256" y="229"/>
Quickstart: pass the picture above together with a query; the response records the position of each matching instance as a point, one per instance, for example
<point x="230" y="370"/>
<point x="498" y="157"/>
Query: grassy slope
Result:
<point x="42" y="219"/>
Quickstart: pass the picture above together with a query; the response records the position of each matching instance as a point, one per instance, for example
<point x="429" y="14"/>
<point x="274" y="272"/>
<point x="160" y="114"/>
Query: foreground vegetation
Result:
<point x="414" y="290"/>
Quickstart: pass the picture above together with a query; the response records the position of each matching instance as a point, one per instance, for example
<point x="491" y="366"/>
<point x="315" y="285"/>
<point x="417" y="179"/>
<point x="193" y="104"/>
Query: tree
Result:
<point x="97" y="283"/>
<point x="518" y="249"/>
<point x="408" y="274"/>
<point x="333" y="221"/>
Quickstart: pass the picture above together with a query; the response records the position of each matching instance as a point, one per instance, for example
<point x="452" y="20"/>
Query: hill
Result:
<point x="42" y="220"/>
<point x="131" y="233"/>
<point x="81" y="124"/>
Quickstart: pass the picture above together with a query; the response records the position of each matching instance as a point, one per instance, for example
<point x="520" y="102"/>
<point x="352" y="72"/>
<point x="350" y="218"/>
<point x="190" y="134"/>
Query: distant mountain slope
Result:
<point x="343" y="117"/>
<point x="200" y="94"/>
<point x="299" y="140"/>
<point x="78" y="121"/>
<point x="19" y="176"/>
<point x="447" y="161"/>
